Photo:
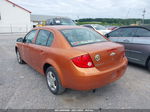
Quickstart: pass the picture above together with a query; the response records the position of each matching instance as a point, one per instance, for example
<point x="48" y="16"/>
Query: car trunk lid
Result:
<point x="105" y="54"/>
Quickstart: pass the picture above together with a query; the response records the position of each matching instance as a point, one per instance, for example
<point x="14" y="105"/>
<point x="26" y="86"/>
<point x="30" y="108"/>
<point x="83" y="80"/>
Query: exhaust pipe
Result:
<point x="94" y="90"/>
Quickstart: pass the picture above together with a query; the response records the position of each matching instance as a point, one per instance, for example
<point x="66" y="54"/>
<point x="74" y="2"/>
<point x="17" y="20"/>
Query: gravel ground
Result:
<point x="21" y="87"/>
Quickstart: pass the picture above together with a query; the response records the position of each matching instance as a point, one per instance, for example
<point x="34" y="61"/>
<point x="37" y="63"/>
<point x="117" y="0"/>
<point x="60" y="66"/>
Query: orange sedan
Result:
<point x="72" y="57"/>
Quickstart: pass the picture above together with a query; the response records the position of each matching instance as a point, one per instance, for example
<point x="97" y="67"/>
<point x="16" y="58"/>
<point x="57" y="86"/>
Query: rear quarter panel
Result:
<point x="60" y="59"/>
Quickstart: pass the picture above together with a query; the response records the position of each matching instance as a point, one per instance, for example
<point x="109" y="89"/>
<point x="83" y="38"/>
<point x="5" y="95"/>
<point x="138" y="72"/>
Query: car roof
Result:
<point x="140" y="26"/>
<point x="59" y="27"/>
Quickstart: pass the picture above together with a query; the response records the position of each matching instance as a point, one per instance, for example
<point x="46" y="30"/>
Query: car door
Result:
<point x="124" y="36"/>
<point x="141" y="46"/>
<point x="39" y="50"/>
<point x="28" y="41"/>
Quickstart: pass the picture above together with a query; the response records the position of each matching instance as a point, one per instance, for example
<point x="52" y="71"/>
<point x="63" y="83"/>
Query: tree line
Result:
<point x="113" y="21"/>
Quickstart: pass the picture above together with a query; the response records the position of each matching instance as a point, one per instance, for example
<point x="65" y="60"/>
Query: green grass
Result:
<point x="100" y="23"/>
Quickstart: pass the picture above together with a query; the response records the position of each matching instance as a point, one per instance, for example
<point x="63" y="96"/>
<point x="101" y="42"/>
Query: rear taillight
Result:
<point x="83" y="61"/>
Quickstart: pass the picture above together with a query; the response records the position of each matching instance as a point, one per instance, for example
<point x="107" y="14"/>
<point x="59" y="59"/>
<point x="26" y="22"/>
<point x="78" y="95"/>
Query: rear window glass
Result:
<point x="63" y="21"/>
<point x="123" y="32"/>
<point x="141" y="32"/>
<point x="82" y="36"/>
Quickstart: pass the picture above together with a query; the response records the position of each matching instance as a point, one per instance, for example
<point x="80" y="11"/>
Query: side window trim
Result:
<point x="49" y="39"/>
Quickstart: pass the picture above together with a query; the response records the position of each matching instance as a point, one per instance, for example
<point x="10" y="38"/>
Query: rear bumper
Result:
<point x="92" y="78"/>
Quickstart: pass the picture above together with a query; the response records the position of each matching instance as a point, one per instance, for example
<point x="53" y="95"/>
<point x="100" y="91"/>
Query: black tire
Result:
<point x="19" y="59"/>
<point x="148" y="65"/>
<point x="54" y="84"/>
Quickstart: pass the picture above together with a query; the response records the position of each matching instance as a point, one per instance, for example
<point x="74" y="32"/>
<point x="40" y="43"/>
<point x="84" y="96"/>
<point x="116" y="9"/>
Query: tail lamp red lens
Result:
<point x="83" y="61"/>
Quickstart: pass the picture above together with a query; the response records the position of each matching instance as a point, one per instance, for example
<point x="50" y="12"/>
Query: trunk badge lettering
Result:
<point x="112" y="54"/>
<point x="97" y="57"/>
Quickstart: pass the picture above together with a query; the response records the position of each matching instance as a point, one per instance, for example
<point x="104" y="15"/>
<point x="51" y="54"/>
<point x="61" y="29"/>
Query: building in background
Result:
<point x="14" y="18"/>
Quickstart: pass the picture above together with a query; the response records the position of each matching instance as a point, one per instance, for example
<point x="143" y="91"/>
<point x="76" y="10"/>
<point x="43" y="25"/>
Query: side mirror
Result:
<point x="20" y="39"/>
<point x="106" y="35"/>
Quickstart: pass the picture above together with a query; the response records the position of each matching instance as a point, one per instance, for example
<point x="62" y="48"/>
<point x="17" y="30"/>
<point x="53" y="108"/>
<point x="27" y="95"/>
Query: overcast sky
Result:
<point x="88" y="8"/>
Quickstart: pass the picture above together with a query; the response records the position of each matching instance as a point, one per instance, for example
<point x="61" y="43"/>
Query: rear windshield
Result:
<point x="63" y="21"/>
<point x="82" y="36"/>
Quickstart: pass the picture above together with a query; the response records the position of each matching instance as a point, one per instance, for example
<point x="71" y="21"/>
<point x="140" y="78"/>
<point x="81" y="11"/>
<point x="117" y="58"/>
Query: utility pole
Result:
<point x="143" y="15"/>
<point x="78" y="19"/>
<point x="128" y="13"/>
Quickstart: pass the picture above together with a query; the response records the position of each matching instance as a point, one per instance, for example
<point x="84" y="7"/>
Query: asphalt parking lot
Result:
<point x="21" y="87"/>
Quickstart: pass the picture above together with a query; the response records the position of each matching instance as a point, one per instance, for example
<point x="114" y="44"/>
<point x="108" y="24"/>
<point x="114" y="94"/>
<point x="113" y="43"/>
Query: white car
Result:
<point x="99" y="28"/>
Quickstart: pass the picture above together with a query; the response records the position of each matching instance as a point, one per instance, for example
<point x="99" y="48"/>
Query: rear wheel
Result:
<point x="53" y="81"/>
<point x="19" y="59"/>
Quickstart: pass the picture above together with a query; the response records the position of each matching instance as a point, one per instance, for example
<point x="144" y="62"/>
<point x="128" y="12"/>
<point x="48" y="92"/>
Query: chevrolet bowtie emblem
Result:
<point x="97" y="57"/>
<point x="112" y="54"/>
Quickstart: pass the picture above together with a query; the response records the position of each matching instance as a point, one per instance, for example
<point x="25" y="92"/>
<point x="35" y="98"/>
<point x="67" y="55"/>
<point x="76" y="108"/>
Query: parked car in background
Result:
<point x="72" y="57"/>
<point x="99" y="28"/>
<point x="136" y="40"/>
<point x="60" y="21"/>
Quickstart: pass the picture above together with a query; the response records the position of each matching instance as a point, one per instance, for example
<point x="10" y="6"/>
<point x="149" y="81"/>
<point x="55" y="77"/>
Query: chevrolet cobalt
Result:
<point x="72" y="57"/>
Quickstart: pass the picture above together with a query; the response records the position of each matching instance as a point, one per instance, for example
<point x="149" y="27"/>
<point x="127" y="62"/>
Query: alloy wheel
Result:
<point x="51" y="80"/>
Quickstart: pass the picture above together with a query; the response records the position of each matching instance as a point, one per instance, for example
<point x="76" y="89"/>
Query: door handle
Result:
<point x="127" y="41"/>
<point x="42" y="52"/>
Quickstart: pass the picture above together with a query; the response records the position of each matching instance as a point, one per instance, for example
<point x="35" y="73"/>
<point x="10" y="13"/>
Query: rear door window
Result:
<point x="141" y="32"/>
<point x="44" y="38"/>
<point x="128" y="32"/>
<point x="123" y="32"/>
<point x="141" y="36"/>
